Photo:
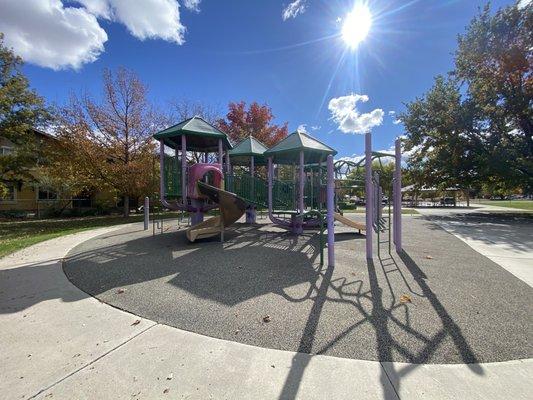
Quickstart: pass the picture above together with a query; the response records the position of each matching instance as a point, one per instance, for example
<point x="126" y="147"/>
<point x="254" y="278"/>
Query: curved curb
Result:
<point x="75" y="350"/>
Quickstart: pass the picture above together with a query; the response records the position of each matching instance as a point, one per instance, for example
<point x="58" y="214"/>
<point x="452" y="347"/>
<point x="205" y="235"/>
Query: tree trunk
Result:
<point x="468" y="198"/>
<point x="126" y="206"/>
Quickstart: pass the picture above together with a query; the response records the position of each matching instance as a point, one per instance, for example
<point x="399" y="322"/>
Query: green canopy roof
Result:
<point x="241" y="153"/>
<point x="201" y="136"/>
<point x="288" y="150"/>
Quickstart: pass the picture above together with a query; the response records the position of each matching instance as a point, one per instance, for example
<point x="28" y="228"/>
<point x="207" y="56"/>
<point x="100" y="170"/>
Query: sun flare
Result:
<point x="356" y="25"/>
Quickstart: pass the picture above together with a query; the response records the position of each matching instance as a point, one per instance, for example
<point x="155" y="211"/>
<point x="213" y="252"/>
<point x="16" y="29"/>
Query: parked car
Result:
<point x="447" y="201"/>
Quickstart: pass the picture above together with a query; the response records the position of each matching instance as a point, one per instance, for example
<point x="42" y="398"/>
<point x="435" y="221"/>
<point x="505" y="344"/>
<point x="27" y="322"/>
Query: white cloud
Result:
<point x="148" y="19"/>
<point x="48" y="34"/>
<point x="395" y="120"/>
<point x="523" y="4"/>
<point x="302" y="128"/>
<point x="192" y="5"/>
<point x="315" y="127"/>
<point x="294" y="9"/>
<point x="51" y="34"/>
<point x="99" y="8"/>
<point x="344" y="112"/>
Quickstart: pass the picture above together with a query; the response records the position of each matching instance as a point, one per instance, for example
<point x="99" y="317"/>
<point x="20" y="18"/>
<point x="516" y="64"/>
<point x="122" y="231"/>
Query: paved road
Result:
<point x="57" y="342"/>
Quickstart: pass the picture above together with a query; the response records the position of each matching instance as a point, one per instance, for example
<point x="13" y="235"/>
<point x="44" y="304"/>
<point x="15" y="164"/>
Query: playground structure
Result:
<point x="298" y="187"/>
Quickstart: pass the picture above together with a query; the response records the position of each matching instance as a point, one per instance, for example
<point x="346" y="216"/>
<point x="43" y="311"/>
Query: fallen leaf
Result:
<point x="170" y="376"/>
<point x="166" y="390"/>
<point x="121" y="290"/>
<point x="137" y="322"/>
<point x="429" y="257"/>
<point x="266" y="318"/>
<point x="405" y="298"/>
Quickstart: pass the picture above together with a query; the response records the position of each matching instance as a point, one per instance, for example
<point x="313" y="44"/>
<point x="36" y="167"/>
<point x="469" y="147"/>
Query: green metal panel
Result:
<point x="172" y="174"/>
<point x="252" y="189"/>
<point x="312" y="192"/>
<point x="283" y="195"/>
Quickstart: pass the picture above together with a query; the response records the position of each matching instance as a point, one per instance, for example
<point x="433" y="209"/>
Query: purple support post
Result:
<point x="368" y="193"/>
<point x="220" y="159"/>
<point x="397" y="219"/>
<point x="252" y="166"/>
<point x="250" y="211"/>
<point x="330" y="201"/>
<point x="162" y="170"/>
<point x="270" y="173"/>
<point x="184" y="169"/>
<point x="228" y="165"/>
<point x="301" y="181"/>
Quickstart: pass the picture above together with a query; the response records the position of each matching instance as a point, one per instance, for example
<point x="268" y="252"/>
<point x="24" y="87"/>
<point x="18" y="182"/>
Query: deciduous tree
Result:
<point x="475" y="126"/>
<point x="256" y="121"/>
<point x="107" y="143"/>
<point x="21" y="110"/>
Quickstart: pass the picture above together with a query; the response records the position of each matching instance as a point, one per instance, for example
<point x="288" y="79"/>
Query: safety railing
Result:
<point x="253" y="189"/>
<point x="283" y="195"/>
<point x="172" y="173"/>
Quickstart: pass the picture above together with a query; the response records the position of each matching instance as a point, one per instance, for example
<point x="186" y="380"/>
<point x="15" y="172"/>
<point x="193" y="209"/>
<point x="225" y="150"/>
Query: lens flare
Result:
<point x="356" y="25"/>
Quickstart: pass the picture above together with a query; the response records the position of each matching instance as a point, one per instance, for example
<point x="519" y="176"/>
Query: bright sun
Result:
<point x="356" y="25"/>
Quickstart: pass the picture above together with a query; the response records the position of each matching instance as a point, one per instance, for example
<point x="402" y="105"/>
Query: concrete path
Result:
<point x="508" y="242"/>
<point x="58" y="342"/>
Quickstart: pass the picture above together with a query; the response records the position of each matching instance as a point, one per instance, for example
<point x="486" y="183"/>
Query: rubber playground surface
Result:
<point x="438" y="302"/>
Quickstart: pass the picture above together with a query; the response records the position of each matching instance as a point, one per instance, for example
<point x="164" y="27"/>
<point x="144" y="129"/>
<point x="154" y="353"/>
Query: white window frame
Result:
<point x="9" y="148"/>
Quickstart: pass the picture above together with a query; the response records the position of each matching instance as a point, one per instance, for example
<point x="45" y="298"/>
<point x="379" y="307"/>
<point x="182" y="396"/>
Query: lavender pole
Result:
<point x="368" y="193"/>
<point x="220" y="159"/>
<point x="269" y="173"/>
<point x="398" y="196"/>
<point x="184" y="169"/>
<point x="301" y="182"/>
<point x="330" y="201"/>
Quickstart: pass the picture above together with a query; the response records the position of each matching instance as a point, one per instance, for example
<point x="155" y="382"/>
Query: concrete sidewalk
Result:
<point x="58" y="342"/>
<point x="507" y="243"/>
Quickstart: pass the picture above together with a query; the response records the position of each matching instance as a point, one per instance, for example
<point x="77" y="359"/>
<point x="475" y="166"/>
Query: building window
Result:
<point x="46" y="194"/>
<point x="5" y="150"/>
<point x="11" y="195"/>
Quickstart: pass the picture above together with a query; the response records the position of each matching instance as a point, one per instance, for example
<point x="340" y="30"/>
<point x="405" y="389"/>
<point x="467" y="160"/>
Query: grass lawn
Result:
<point x="15" y="235"/>
<point x="517" y="204"/>
<point x="405" y="211"/>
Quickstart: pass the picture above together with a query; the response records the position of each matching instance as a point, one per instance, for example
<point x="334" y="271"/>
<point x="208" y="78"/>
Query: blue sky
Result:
<point x="244" y="50"/>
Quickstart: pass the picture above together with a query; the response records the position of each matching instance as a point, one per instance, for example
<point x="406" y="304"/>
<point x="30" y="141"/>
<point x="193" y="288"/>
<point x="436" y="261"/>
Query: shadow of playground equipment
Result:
<point x="510" y="230"/>
<point x="379" y="318"/>
<point x="227" y="273"/>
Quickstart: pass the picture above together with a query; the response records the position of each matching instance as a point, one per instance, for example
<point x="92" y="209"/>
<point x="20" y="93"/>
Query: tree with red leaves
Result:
<point x="255" y="121"/>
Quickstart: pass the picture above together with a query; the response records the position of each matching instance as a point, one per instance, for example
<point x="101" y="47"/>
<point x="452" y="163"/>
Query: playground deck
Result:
<point x="439" y="302"/>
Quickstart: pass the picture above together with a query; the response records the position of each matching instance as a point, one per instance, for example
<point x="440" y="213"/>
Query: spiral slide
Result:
<point x="231" y="208"/>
